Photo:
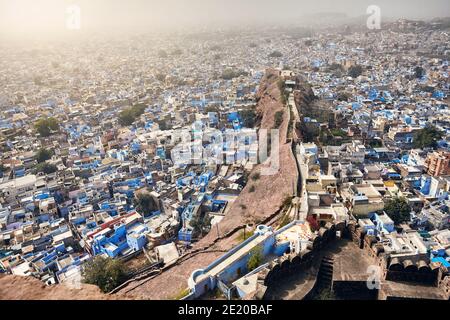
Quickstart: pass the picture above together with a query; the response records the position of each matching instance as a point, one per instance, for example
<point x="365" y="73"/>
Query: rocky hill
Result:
<point x="29" y="288"/>
<point x="259" y="202"/>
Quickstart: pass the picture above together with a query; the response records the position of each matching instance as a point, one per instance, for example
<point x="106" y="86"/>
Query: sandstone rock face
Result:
<point x="29" y="288"/>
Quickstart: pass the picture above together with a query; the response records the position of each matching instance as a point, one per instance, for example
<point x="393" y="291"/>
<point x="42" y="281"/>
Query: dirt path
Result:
<point x="29" y="288"/>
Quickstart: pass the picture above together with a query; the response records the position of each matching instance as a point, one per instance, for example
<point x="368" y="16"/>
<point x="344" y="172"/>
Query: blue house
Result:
<point x="112" y="244"/>
<point x="233" y="265"/>
<point x="185" y="234"/>
<point x="383" y="223"/>
<point x="136" y="238"/>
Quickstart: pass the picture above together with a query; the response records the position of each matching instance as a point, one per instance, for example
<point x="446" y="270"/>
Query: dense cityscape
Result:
<point x="284" y="163"/>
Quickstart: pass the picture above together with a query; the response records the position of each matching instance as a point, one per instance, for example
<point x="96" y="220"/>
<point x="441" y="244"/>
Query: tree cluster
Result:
<point x="355" y="71"/>
<point x="46" y="126"/>
<point x="248" y="118"/>
<point x="45" y="167"/>
<point x="427" y="137"/>
<point x="255" y="260"/>
<point x="145" y="203"/>
<point x="229" y="74"/>
<point x="398" y="210"/>
<point x="106" y="273"/>
<point x="128" y="116"/>
<point x="275" y="54"/>
<point x="43" y="155"/>
<point x="278" y="119"/>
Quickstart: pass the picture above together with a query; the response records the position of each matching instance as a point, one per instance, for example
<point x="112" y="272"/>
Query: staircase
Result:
<point x="324" y="281"/>
<point x="325" y="275"/>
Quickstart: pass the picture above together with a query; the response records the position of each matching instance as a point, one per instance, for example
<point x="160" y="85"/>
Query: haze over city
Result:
<point x="44" y="17"/>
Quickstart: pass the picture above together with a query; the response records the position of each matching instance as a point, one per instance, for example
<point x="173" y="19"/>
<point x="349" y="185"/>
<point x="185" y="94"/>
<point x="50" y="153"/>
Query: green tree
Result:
<point x="335" y="67"/>
<point x="287" y="201"/>
<point x="201" y="224"/>
<point x="338" y="132"/>
<point x="45" y="167"/>
<point x="212" y="109"/>
<point x="256" y="257"/>
<point x="284" y="94"/>
<point x="427" y="137"/>
<point x="145" y="203"/>
<point x="398" y="210"/>
<point x="355" y="71"/>
<point x="376" y="143"/>
<point x="43" y="154"/>
<point x="126" y="117"/>
<point x="45" y="127"/>
<point x="84" y="174"/>
<point x="256" y="176"/>
<point x="229" y="74"/>
<point x="278" y="119"/>
<point x="343" y="96"/>
<point x="248" y="117"/>
<point x="162" y="125"/>
<point x="326" y="294"/>
<point x="129" y="115"/>
<point x="419" y="72"/>
<point x="138" y="110"/>
<point x="275" y="54"/>
<point x="160" y="77"/>
<point x="106" y="273"/>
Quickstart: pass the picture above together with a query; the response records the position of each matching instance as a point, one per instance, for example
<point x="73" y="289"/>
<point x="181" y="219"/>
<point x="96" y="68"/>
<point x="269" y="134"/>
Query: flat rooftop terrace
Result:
<point x="350" y="264"/>
<point x="232" y="258"/>
<point x="298" y="231"/>
<point x="295" y="231"/>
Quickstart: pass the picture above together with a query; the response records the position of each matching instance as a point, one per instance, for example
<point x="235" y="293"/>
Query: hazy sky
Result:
<point x="40" y="16"/>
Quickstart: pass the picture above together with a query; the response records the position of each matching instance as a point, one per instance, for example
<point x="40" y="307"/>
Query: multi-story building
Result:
<point x="438" y="163"/>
